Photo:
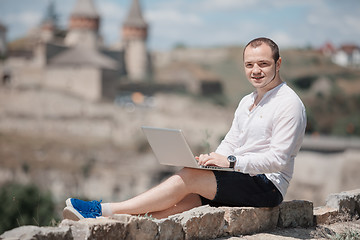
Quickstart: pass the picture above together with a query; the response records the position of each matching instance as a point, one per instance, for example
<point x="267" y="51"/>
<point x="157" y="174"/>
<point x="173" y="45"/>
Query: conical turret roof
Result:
<point x="85" y="8"/>
<point x="135" y="17"/>
<point x="50" y="14"/>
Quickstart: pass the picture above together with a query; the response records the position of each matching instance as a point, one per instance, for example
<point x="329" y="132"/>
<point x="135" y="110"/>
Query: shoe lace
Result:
<point x="94" y="208"/>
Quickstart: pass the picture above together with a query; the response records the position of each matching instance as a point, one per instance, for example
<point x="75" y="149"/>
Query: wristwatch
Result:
<point x="232" y="161"/>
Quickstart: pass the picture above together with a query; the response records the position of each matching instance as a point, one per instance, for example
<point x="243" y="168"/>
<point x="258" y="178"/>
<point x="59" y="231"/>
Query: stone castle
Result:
<point x="76" y="61"/>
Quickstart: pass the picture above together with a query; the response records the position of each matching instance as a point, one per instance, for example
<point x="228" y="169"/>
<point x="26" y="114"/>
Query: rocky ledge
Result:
<point x="201" y="223"/>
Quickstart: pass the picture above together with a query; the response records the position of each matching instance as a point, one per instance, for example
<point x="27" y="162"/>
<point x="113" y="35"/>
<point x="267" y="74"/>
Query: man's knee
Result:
<point x="190" y="174"/>
<point x="197" y="178"/>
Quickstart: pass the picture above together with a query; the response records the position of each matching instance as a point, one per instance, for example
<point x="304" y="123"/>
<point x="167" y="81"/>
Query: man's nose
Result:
<point x="256" y="69"/>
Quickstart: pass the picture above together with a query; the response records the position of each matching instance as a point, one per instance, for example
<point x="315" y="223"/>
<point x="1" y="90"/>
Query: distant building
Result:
<point x="84" y="24"/>
<point x="82" y="66"/>
<point x="327" y="49"/>
<point x="49" y="26"/>
<point x="134" y="38"/>
<point x="347" y="56"/>
<point x="76" y="61"/>
<point x="3" y="44"/>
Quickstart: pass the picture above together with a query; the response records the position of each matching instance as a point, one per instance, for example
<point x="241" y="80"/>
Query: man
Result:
<point x="261" y="145"/>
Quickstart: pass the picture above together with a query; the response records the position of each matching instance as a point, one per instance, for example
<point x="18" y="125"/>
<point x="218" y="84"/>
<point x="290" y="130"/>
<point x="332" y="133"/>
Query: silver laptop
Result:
<point x="171" y="148"/>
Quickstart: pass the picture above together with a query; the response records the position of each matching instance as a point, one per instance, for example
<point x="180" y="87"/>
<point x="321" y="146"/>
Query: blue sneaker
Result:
<point x="78" y="209"/>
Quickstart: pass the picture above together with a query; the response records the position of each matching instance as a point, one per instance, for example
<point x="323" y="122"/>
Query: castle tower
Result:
<point x="84" y="25"/>
<point x="134" y="34"/>
<point x="49" y="23"/>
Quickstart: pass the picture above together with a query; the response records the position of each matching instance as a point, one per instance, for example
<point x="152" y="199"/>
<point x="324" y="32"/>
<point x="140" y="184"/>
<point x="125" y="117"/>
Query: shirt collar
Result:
<point x="268" y="93"/>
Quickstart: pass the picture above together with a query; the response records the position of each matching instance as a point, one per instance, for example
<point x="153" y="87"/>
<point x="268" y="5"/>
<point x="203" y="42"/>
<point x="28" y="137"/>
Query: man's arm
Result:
<point x="287" y="136"/>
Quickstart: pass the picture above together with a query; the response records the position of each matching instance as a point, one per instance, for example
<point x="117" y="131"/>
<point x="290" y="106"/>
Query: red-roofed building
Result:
<point x="347" y="55"/>
<point x="327" y="49"/>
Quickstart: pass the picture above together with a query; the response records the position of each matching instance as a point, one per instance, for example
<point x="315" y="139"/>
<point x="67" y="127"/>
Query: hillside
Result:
<point x="330" y="93"/>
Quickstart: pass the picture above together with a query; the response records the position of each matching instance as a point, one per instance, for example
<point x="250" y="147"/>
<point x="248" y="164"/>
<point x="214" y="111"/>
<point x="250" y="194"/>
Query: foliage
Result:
<point x="87" y="167"/>
<point x="147" y="216"/>
<point x="180" y="45"/>
<point x="25" y="205"/>
<point x="348" y="234"/>
<point x="335" y="114"/>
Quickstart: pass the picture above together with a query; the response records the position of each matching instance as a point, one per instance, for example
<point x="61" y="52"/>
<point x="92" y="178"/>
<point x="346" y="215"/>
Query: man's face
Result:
<point x="260" y="67"/>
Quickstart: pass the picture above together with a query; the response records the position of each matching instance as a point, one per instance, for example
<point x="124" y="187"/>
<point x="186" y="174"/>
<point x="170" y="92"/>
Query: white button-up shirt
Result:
<point x="266" y="139"/>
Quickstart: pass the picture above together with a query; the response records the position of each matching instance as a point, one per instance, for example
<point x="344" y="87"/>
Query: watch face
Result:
<point x="232" y="161"/>
<point x="232" y="158"/>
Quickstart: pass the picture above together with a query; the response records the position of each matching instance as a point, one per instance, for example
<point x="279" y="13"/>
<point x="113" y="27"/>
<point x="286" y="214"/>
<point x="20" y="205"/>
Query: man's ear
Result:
<point x="278" y="64"/>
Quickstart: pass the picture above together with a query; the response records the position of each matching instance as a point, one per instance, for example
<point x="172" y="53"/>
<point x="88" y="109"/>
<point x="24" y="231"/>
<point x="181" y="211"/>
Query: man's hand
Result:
<point x="213" y="159"/>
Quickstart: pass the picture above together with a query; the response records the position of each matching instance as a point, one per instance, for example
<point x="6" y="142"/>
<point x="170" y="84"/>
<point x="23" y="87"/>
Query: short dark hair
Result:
<point x="258" y="41"/>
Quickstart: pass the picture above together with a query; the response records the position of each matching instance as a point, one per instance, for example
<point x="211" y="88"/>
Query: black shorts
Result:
<point x="235" y="189"/>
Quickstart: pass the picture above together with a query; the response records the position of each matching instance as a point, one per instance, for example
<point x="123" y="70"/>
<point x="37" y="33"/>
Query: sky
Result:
<point x="208" y="23"/>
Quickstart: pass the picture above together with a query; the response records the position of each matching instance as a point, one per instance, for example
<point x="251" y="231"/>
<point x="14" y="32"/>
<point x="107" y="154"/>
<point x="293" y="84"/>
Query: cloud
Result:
<point x="170" y="26"/>
<point x="26" y="18"/>
<point x="19" y="23"/>
<point x="336" y="22"/>
<point x="111" y="10"/>
<point x="251" y="5"/>
<point x="227" y="4"/>
<point x="283" y="39"/>
<point x="112" y="16"/>
<point x="352" y="23"/>
<point x="173" y="17"/>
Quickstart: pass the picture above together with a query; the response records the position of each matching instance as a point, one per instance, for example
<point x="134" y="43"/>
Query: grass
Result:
<point x="147" y="216"/>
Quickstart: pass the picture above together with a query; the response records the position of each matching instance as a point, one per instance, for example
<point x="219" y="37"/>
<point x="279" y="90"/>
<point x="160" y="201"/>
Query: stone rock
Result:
<point x="249" y="220"/>
<point x="202" y="222"/>
<point x="138" y="227"/>
<point x="100" y="228"/>
<point x="38" y="233"/>
<point x="325" y="215"/>
<point x="296" y="213"/>
<point x="170" y="229"/>
<point x="346" y="202"/>
<point x="148" y="228"/>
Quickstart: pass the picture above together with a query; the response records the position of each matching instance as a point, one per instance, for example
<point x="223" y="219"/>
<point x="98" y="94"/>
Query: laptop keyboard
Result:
<point x="210" y="167"/>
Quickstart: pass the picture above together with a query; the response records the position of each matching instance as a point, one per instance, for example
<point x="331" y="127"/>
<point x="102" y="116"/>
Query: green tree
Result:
<point x="25" y="205"/>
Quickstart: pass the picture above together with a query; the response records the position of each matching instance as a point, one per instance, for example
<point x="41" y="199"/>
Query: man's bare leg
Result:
<point x="173" y="191"/>
<point x="189" y="202"/>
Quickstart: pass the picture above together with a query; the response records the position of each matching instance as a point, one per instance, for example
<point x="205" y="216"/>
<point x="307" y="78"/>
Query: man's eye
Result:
<point x="248" y="65"/>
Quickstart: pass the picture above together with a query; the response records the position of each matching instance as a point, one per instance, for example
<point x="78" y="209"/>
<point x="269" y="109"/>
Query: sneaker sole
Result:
<point x="68" y="203"/>
<point x="71" y="214"/>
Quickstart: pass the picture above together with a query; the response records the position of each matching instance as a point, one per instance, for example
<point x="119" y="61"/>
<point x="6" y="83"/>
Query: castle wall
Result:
<point x="109" y="83"/>
<point x="82" y="81"/>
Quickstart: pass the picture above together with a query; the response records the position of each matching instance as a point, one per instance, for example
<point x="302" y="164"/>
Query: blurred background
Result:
<point x="80" y="77"/>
